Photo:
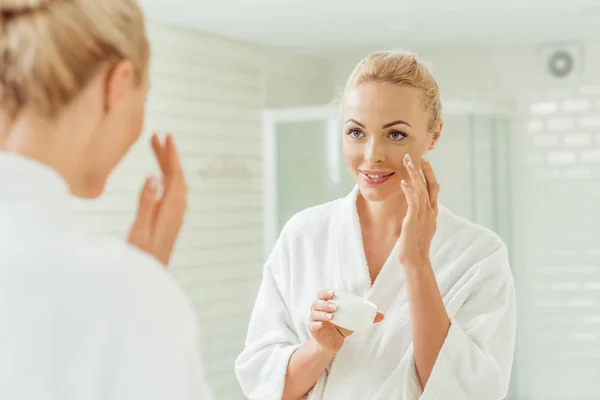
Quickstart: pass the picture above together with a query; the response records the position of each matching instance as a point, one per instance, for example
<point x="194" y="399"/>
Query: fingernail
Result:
<point x="154" y="182"/>
<point x="318" y="324"/>
<point x="155" y="186"/>
<point x="332" y="306"/>
<point x="425" y="159"/>
<point x="411" y="165"/>
<point x="407" y="156"/>
<point x="328" y="316"/>
<point x="403" y="183"/>
<point x="330" y="293"/>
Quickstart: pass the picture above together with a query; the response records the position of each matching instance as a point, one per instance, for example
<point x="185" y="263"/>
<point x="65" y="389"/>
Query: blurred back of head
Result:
<point x="73" y="84"/>
<point x="51" y="48"/>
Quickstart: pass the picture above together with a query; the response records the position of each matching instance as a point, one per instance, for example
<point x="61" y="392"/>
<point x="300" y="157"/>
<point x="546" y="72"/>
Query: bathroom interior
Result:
<point x="250" y="91"/>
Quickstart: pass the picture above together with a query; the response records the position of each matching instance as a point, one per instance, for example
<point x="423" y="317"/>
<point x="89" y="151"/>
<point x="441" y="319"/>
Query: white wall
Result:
<point x="555" y="186"/>
<point x="209" y="92"/>
<point x="491" y="74"/>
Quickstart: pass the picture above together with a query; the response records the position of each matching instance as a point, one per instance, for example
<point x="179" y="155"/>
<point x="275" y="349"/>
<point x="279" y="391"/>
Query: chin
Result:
<point x="375" y="194"/>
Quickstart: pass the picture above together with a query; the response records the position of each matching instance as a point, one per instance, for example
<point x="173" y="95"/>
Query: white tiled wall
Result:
<point x="559" y="247"/>
<point x="209" y="93"/>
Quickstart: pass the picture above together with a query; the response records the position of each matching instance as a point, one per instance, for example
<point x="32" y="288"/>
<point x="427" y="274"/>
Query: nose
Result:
<point x="374" y="151"/>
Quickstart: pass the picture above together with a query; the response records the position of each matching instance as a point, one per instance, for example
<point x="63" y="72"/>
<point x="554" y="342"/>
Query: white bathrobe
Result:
<point x="81" y="317"/>
<point x="321" y="247"/>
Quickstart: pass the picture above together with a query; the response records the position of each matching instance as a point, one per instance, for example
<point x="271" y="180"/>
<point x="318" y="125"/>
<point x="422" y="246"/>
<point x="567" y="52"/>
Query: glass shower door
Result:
<point x="307" y="172"/>
<point x="306" y="165"/>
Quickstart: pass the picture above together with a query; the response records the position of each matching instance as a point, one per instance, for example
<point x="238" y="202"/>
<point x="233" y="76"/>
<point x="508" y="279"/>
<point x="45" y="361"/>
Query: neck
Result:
<point x="383" y="216"/>
<point x="45" y="142"/>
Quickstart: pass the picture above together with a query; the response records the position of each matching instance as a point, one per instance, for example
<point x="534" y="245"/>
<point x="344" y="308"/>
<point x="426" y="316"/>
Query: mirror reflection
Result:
<point x="296" y="199"/>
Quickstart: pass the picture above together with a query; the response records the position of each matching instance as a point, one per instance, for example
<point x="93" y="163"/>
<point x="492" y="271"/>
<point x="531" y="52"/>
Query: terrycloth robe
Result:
<point x="321" y="247"/>
<point x="84" y="317"/>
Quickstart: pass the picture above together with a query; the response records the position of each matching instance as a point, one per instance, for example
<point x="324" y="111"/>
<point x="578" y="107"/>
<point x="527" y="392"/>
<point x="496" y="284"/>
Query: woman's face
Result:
<point x="382" y="123"/>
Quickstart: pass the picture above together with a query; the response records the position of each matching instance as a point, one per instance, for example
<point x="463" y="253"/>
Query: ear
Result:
<point x="436" y="135"/>
<point x="119" y="79"/>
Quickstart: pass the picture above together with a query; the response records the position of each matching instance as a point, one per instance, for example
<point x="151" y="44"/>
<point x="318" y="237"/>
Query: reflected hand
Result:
<point x="160" y="218"/>
<point x="419" y="225"/>
<point x="329" y="336"/>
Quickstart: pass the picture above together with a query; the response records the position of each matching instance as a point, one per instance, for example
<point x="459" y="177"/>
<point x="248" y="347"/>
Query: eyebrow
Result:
<point x="398" y="122"/>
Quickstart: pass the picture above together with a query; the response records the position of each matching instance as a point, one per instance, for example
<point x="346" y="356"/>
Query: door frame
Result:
<point x="269" y="120"/>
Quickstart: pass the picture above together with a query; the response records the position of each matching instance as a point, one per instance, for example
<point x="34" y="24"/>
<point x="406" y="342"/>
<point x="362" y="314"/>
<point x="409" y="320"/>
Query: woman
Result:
<point x="84" y="317"/>
<point x="443" y="283"/>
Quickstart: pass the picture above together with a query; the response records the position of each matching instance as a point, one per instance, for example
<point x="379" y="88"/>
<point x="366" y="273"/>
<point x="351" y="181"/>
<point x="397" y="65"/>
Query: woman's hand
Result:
<point x="419" y="225"/>
<point x="328" y="336"/>
<point x="160" y="216"/>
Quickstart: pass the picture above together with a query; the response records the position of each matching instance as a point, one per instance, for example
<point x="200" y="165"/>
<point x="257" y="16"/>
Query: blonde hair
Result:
<point x="400" y="67"/>
<point x="50" y="49"/>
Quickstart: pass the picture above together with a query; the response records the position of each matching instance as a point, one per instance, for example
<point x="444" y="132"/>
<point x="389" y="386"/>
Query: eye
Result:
<point x="356" y="134"/>
<point x="395" y="135"/>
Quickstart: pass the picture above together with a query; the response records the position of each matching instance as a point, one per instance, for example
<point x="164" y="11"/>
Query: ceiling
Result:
<point x="345" y="27"/>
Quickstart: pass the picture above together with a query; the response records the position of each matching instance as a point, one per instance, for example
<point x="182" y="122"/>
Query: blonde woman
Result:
<point x="443" y="283"/>
<point x="83" y="317"/>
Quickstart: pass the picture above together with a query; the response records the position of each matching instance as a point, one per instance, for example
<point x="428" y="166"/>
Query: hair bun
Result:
<point x="10" y="9"/>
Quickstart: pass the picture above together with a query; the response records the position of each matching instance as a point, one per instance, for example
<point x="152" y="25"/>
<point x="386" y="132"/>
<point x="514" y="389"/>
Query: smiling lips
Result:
<point x="375" y="177"/>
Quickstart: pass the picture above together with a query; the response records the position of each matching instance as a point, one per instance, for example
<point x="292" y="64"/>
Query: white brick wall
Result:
<point x="209" y="92"/>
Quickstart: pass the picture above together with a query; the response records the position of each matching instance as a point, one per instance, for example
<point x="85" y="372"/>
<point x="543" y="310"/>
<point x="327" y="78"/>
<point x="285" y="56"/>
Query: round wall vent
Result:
<point x="560" y="64"/>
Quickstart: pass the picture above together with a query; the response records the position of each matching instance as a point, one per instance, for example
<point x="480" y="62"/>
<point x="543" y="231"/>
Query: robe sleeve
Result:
<point x="476" y="358"/>
<point x="271" y="339"/>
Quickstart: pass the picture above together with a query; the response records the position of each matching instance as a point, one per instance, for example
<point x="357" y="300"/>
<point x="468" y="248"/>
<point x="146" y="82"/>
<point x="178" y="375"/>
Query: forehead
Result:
<point x="376" y="102"/>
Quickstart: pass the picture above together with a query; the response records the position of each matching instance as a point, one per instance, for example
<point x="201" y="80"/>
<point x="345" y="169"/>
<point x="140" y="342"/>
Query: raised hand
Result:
<point x="419" y="225"/>
<point x="160" y="215"/>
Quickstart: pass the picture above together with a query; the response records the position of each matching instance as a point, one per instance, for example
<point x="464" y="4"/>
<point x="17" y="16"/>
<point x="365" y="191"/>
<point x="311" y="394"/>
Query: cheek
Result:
<point x="137" y="113"/>
<point x="414" y="149"/>
<point x="353" y="153"/>
<point x="397" y="163"/>
<point x="141" y="120"/>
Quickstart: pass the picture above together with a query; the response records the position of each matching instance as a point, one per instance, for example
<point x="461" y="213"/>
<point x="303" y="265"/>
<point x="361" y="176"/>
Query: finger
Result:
<point x="378" y="318"/>
<point x="174" y="204"/>
<point x="320" y="316"/>
<point x="411" y="196"/>
<point x="175" y="179"/>
<point x="433" y="187"/>
<point x="326" y="306"/>
<point x="173" y="162"/>
<point x="171" y="211"/>
<point x="170" y="216"/>
<point x="415" y="177"/>
<point x="315" y="326"/>
<point x="159" y="153"/>
<point x="325" y="294"/>
<point x="147" y="204"/>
